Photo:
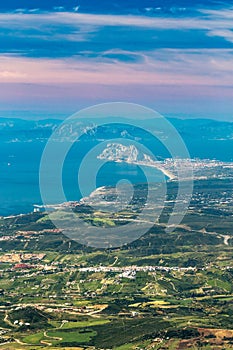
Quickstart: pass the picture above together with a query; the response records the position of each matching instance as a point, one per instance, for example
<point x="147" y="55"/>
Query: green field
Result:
<point x="80" y="297"/>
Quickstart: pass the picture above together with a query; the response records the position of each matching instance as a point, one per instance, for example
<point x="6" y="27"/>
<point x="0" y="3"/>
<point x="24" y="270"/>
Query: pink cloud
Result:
<point x="181" y="68"/>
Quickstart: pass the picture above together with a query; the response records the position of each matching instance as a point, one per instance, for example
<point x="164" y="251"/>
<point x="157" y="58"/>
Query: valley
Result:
<point x="162" y="291"/>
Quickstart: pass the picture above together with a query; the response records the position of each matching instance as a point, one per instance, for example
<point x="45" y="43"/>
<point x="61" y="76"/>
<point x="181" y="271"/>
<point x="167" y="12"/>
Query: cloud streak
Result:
<point x="209" y="20"/>
<point x="63" y="48"/>
<point x="182" y="68"/>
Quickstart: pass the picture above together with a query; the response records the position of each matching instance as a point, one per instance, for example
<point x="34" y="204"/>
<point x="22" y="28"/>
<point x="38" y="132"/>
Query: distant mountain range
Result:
<point x="197" y="128"/>
<point x="204" y="138"/>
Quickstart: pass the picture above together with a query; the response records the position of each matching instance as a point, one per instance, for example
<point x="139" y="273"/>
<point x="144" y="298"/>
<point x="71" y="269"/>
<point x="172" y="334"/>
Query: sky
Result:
<point x="59" y="56"/>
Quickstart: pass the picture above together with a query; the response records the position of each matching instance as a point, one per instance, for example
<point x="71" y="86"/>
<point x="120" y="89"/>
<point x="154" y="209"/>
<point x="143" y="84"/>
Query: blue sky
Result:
<point x="59" y="56"/>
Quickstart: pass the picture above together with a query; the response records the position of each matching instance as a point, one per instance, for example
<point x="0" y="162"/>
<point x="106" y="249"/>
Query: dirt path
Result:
<point x="22" y="343"/>
<point x="6" y="319"/>
<point x="45" y="342"/>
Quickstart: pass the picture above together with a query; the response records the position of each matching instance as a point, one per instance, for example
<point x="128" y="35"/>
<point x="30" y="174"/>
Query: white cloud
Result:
<point x="220" y="13"/>
<point x="170" y="66"/>
<point x="77" y="19"/>
<point x="215" y="23"/>
<point x="207" y="68"/>
<point x="226" y="34"/>
<point x="76" y="8"/>
<point x="12" y="75"/>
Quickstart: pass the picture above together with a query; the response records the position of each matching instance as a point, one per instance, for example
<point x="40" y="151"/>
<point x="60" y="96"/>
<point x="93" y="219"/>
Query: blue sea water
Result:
<point x="20" y="163"/>
<point x="19" y="176"/>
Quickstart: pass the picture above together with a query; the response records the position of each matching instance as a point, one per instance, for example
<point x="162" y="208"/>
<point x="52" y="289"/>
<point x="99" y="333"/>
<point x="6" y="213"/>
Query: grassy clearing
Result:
<point x="34" y="338"/>
<point x="83" y="324"/>
<point x="83" y="337"/>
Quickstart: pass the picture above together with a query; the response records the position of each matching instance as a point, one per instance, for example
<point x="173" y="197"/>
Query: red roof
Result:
<point x="22" y="266"/>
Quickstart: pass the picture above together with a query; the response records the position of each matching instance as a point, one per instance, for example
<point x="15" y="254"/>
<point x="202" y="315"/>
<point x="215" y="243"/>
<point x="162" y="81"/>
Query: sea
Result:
<point x="20" y="169"/>
<point x="20" y="164"/>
